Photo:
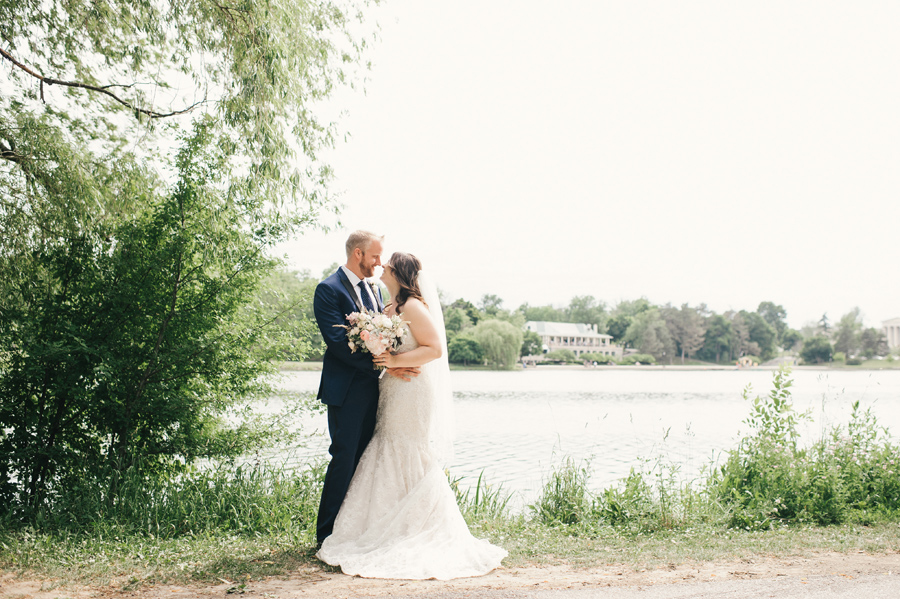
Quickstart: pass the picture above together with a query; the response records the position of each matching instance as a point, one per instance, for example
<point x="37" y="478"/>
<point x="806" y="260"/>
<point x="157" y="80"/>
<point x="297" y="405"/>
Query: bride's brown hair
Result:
<point x="406" y="269"/>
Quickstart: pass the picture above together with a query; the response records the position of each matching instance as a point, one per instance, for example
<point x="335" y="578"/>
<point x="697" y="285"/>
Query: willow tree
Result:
<point x="150" y="152"/>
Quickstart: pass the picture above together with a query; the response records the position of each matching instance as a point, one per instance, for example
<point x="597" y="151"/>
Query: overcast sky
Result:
<point x="686" y="152"/>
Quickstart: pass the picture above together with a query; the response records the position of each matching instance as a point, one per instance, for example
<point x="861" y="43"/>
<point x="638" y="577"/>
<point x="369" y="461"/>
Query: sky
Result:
<point x="724" y="153"/>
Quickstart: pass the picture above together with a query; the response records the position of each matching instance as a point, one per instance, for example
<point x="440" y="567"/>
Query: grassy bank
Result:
<point x="770" y="497"/>
<point x="128" y="561"/>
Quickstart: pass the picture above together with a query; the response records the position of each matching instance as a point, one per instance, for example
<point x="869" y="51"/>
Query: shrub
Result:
<point x="637" y="358"/>
<point x="649" y="500"/>
<point x="564" y="499"/>
<point x="598" y="358"/>
<point x="463" y="349"/>
<point x="566" y="356"/>
<point x="816" y="350"/>
<point x="767" y="480"/>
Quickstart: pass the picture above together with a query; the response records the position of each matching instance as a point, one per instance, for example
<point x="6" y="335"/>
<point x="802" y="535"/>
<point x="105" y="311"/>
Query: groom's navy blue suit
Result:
<point x="349" y="387"/>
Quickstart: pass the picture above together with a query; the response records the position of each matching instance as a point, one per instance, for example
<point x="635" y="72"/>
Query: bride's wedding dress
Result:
<point x="400" y="518"/>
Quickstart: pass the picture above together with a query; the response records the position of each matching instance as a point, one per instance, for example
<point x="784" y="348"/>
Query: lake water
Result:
<point x="516" y="426"/>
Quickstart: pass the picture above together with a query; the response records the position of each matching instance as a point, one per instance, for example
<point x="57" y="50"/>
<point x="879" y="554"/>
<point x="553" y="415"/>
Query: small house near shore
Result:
<point x="579" y="338"/>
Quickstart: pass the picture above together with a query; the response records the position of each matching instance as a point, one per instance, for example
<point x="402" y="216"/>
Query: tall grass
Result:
<point x="651" y="498"/>
<point x="236" y="499"/>
<point x="852" y="474"/>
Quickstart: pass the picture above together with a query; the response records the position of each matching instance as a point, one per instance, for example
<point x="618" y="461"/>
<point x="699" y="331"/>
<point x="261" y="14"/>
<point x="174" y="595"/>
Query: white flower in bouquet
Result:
<point x="373" y="333"/>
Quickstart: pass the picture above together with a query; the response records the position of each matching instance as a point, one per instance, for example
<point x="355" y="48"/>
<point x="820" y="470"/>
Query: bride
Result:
<point x="400" y="518"/>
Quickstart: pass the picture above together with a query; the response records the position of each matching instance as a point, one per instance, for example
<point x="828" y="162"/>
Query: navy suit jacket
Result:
<point x="335" y="298"/>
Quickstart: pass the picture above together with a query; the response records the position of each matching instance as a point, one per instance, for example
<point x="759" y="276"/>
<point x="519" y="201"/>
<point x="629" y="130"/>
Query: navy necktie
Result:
<point x="366" y="298"/>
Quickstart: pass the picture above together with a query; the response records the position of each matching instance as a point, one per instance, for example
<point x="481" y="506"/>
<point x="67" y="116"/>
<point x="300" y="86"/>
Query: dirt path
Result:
<point x="847" y="575"/>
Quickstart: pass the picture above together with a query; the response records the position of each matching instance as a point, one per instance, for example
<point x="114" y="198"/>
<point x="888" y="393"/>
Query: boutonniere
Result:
<point x="374" y="289"/>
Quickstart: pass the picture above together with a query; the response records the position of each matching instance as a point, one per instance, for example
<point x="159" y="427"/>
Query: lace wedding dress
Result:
<point x="400" y="518"/>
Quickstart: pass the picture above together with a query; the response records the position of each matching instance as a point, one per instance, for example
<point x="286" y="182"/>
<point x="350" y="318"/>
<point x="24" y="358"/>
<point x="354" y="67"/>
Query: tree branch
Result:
<point x="101" y="89"/>
<point x="9" y="152"/>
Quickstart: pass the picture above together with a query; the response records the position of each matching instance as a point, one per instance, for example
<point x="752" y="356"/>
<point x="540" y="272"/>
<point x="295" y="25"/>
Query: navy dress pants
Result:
<point x="351" y="426"/>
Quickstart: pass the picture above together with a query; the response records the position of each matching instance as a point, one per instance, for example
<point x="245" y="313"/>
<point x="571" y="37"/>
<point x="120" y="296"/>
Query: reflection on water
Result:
<point x="516" y="426"/>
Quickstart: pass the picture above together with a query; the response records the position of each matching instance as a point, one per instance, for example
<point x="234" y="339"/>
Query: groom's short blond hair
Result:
<point x="361" y="239"/>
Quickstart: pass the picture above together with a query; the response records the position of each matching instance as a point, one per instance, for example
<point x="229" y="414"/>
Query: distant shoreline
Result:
<point x="317" y="367"/>
<point x="699" y="367"/>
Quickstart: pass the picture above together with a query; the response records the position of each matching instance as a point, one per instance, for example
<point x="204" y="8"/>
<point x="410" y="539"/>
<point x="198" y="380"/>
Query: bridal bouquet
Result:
<point x="372" y="332"/>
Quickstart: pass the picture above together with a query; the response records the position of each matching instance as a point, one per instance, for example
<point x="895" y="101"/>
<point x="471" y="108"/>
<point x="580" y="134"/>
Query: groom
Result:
<point x="349" y="385"/>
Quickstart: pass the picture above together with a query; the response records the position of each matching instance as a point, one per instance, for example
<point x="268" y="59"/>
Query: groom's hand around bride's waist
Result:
<point x="404" y="374"/>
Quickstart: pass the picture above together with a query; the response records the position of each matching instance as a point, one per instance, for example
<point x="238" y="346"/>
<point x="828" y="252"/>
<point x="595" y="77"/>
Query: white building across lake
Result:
<point x="577" y="337"/>
<point x="891" y="330"/>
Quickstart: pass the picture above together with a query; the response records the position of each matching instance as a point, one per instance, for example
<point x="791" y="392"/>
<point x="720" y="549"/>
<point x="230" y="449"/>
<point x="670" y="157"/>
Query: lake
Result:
<point x="517" y="426"/>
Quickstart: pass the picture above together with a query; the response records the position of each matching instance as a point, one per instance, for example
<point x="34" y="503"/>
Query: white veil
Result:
<point x="440" y="428"/>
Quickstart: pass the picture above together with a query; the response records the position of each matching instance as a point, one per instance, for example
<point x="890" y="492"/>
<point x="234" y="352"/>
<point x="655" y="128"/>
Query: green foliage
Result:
<point x="598" y="358"/>
<point x="687" y="327"/>
<point x="491" y="305"/>
<point x="816" y="350"/>
<point x="873" y="343"/>
<point x="483" y="503"/>
<point x="769" y="480"/>
<point x="501" y="342"/>
<point x="247" y="499"/>
<point x="128" y="350"/>
<point x="566" y="356"/>
<point x="565" y="499"/>
<point x="456" y="320"/>
<point x="586" y="309"/>
<point x="617" y="326"/>
<point x="774" y="418"/>
<point x="531" y="344"/>
<point x="464" y="349"/>
<point x="868" y="464"/>
<point x="717" y="340"/>
<point x="256" y="71"/>
<point x="286" y="298"/>
<point x="633" y="359"/>
<point x="774" y="315"/>
<point x="649" y="334"/>
<point x="848" y="336"/>
<point x="790" y="338"/>
<point x="652" y="499"/>
<point x="470" y="310"/>
<point x="543" y="313"/>
<point x="761" y="336"/>
<point x="648" y="500"/>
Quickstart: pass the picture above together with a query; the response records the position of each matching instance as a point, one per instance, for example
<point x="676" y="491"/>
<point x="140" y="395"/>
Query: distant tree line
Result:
<point x="488" y="334"/>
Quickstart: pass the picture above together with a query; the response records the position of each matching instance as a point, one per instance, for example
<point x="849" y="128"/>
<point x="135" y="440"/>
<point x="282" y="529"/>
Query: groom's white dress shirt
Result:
<point x="354" y="280"/>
